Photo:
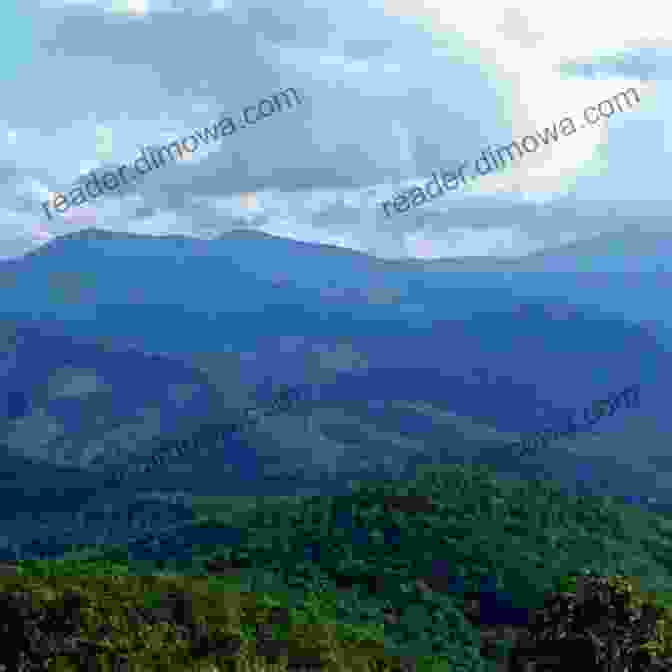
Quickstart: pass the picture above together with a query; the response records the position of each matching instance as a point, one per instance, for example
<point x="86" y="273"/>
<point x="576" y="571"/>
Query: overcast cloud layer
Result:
<point x="392" y="91"/>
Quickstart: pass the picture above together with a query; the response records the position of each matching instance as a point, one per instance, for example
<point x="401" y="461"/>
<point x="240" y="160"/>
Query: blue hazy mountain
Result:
<point x="408" y="362"/>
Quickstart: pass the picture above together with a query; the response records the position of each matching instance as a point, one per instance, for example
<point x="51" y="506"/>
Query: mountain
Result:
<point x="630" y="250"/>
<point x="625" y="273"/>
<point x="448" y="569"/>
<point x="114" y="341"/>
<point x="56" y="388"/>
<point x="626" y="250"/>
<point x="68" y="410"/>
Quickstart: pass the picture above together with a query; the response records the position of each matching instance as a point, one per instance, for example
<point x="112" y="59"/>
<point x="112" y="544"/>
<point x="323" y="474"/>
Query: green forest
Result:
<point x="370" y="579"/>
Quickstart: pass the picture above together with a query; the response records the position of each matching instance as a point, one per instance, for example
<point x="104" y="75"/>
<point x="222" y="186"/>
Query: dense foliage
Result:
<point x="390" y="566"/>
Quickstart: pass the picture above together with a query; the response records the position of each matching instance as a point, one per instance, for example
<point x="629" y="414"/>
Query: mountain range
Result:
<point x="111" y="342"/>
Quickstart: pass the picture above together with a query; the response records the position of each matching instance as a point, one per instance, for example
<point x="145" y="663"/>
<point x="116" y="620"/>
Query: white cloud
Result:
<point x="530" y="90"/>
<point x="392" y="90"/>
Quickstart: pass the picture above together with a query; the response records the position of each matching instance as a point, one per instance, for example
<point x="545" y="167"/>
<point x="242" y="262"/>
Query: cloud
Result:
<point x="392" y="90"/>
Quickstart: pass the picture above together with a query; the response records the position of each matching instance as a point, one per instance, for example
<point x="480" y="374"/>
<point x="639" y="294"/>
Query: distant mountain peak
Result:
<point x="93" y="233"/>
<point x="90" y="233"/>
<point x="96" y="234"/>
<point x="250" y="234"/>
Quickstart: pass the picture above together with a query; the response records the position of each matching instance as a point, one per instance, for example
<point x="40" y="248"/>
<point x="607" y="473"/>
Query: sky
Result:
<point x="391" y="91"/>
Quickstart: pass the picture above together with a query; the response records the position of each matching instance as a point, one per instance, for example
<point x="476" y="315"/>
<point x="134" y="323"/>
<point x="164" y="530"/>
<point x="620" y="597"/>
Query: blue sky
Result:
<point x="394" y="90"/>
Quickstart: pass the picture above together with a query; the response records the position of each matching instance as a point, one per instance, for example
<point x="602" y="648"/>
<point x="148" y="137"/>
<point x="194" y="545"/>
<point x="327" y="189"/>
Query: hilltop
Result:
<point x="391" y="569"/>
